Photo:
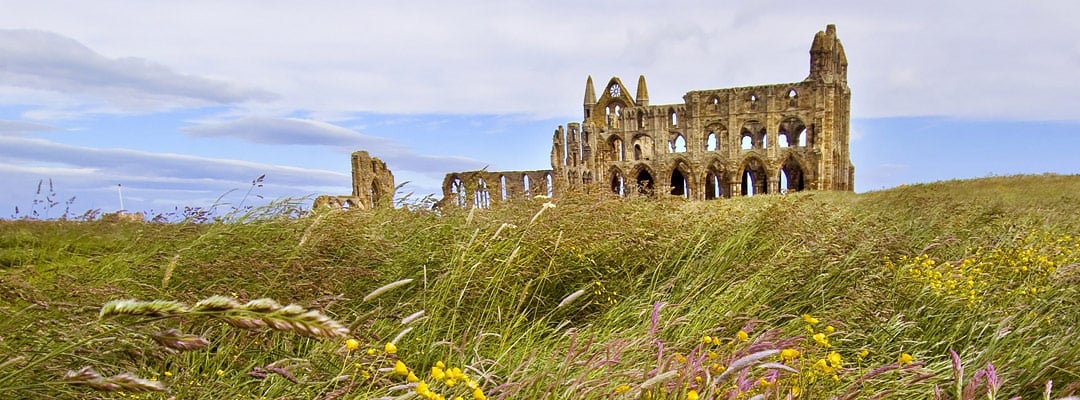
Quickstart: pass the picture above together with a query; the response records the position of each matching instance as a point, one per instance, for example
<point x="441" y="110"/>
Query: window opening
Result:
<point x="679" y="144"/>
<point x="644" y="183"/>
<point x="710" y="142"/>
<point x="678" y="184"/>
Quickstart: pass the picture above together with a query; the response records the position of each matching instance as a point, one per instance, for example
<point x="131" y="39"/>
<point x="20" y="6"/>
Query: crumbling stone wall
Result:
<point x="485" y="188"/>
<point x="718" y="143"/>
<point x="372" y="185"/>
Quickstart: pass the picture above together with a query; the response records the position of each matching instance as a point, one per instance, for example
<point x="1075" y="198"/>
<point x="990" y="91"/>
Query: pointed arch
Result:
<point x="754" y="176"/>
<point x="503" y="193"/>
<point x="481" y="197"/>
<point x="643" y="147"/>
<point x="457" y="189"/>
<point x="793" y="131"/>
<point x="644" y="180"/>
<point x="755" y="131"/>
<point x="375" y="195"/>
<point x="792" y="174"/>
<point x="681" y="179"/>
<point x="617" y="148"/>
<point x="716" y="181"/>
<point x="678" y="145"/>
<point x="618" y="182"/>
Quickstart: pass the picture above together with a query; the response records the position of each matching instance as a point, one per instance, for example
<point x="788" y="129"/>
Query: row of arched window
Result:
<point x="481" y="195"/>
<point x="748" y="141"/>
<point x="754" y="180"/>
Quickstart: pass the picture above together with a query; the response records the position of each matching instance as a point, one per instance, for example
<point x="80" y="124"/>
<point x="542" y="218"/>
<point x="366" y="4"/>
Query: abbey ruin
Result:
<point x="372" y="181"/>
<point x="717" y="143"/>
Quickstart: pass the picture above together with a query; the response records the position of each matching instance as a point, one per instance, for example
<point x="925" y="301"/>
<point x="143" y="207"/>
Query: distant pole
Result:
<point x="120" y="191"/>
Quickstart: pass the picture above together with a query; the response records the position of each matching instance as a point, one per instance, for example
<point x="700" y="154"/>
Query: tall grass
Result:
<point x="586" y="299"/>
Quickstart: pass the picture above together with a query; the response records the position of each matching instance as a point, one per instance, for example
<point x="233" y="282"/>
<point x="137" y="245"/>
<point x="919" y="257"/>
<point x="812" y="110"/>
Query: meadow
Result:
<point x="952" y="290"/>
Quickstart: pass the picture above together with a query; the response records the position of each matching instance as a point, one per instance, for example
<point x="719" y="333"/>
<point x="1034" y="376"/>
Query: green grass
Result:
<point x="656" y="277"/>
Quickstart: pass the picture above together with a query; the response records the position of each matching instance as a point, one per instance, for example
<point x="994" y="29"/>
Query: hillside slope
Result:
<point x="865" y="294"/>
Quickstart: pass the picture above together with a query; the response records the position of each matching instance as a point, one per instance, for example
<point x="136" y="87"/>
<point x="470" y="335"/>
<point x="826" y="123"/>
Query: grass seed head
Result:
<point x="386" y="288"/>
<point x="154" y="308"/>
<point x="176" y="340"/>
<point x="86" y="376"/>
<point x="216" y="303"/>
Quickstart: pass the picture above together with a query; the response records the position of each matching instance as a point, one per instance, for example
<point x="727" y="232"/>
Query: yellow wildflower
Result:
<point x="810" y="319"/>
<point x="411" y="377"/>
<point x="371" y="351"/>
<point x="352" y="344"/>
<point x="823" y="366"/>
<point x="390" y="348"/>
<point x="437" y="372"/>
<point x="478" y="394"/>
<point x="863" y="353"/>
<point x="742" y="335"/>
<point x="400" y="368"/>
<point x="904" y="359"/>
<point x="829" y="329"/>
<point x="692" y="395"/>
<point x="168" y="373"/>
<point x="622" y="389"/>
<point x="422" y="389"/>
<point x="706" y="339"/>
<point x="821" y="339"/>
<point x="789" y="354"/>
<point x="835" y="360"/>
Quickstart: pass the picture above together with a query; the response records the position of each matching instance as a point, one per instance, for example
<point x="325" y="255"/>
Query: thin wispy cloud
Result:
<point x="307" y="132"/>
<point x="291" y="131"/>
<point x="134" y="163"/>
<point x="47" y="61"/>
<point x="21" y="127"/>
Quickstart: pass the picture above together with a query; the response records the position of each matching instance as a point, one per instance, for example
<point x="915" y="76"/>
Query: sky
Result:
<point x="186" y="104"/>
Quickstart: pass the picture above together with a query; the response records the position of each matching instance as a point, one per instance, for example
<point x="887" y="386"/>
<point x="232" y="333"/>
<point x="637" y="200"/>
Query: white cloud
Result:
<point x="156" y="167"/>
<point x="1002" y="59"/>
<point x="290" y="131"/>
<point x="297" y="131"/>
<point x="46" y="61"/>
<point x="20" y="127"/>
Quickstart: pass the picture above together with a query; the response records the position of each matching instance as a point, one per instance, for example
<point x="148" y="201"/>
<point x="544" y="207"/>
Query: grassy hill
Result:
<point x="811" y="295"/>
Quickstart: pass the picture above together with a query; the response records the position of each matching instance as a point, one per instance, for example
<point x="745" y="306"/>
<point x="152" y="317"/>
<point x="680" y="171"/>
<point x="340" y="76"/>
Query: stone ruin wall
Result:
<point x="717" y="143"/>
<point x="373" y="185"/>
<point x="483" y="189"/>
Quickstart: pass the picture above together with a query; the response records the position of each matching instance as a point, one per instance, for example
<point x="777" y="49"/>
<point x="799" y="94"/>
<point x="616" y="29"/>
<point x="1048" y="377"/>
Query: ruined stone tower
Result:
<point x="717" y="143"/>
<point x="372" y="185"/>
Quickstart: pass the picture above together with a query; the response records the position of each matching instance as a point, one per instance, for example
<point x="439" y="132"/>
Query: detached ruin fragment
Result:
<point x="717" y="143"/>
<point x="373" y="185"/>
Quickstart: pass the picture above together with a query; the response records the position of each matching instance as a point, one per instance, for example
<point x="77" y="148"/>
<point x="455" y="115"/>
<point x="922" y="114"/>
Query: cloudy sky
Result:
<point x="185" y="103"/>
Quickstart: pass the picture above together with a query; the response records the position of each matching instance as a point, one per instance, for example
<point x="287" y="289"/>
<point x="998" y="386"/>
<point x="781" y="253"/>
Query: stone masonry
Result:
<point x="717" y="143"/>
<point x="373" y="185"/>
